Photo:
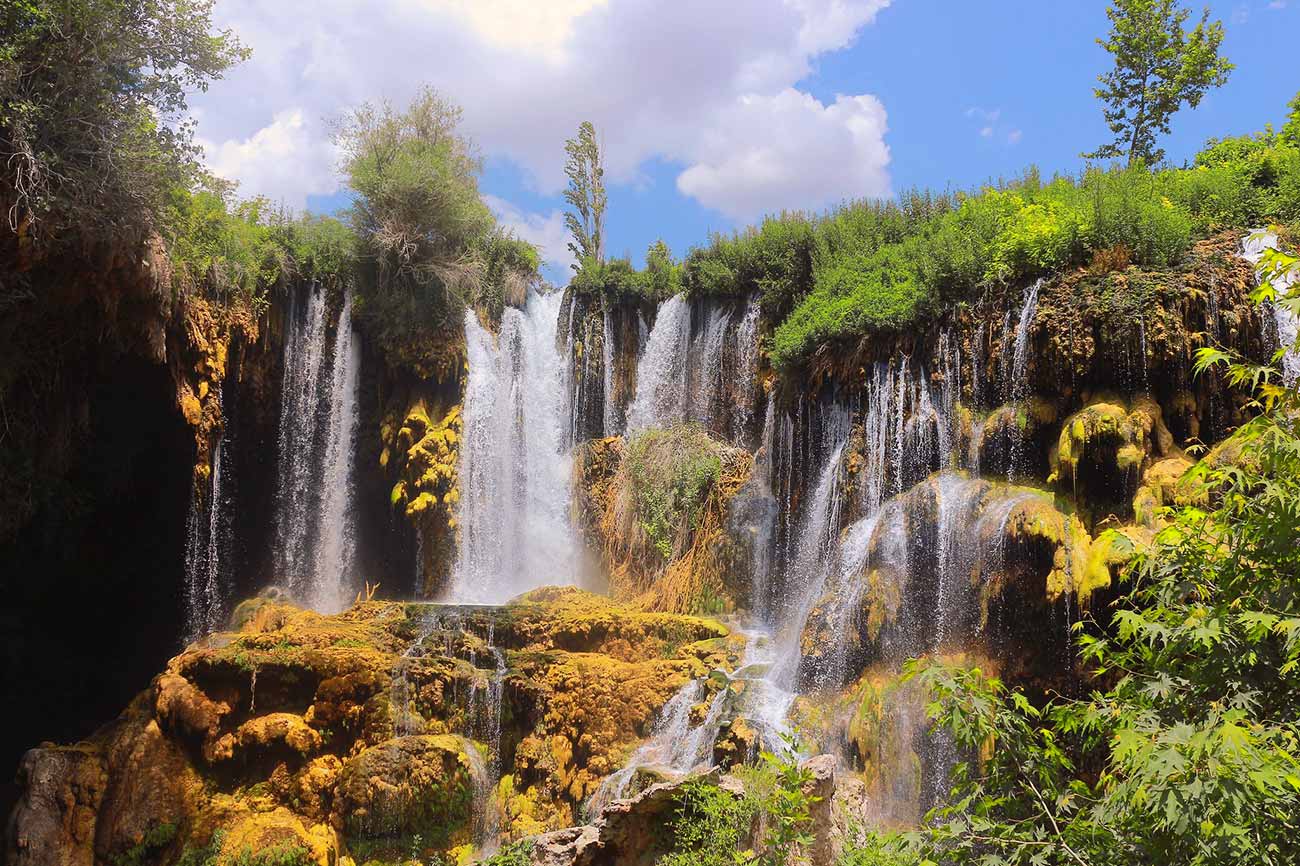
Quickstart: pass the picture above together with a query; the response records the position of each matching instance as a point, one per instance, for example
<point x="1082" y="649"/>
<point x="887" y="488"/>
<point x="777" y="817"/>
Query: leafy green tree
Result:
<point x="586" y="195"/>
<point x="1291" y="129"/>
<point x="93" y="133"/>
<point x="417" y="210"/>
<point x="1159" y="67"/>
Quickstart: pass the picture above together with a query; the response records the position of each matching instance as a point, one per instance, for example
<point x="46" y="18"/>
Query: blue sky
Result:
<point x="958" y="92"/>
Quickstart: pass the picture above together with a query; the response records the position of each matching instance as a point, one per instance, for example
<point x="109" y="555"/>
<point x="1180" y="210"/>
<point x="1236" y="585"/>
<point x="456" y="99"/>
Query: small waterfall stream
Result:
<point x="314" y="541"/>
<point x="207" y="541"/>
<point x="1253" y="249"/>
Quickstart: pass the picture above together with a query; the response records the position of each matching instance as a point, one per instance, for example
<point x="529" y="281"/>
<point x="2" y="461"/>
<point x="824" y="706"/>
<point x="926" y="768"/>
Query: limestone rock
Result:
<point x="53" y="823"/>
<point x="821" y="788"/>
<point x="407" y="785"/>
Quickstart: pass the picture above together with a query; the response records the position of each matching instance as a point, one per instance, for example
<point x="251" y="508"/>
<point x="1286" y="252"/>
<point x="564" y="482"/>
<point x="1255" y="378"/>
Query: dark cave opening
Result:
<point x="97" y="575"/>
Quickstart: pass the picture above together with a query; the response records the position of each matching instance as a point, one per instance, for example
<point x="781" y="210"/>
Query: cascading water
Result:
<point x="1254" y="248"/>
<point x="335" y="548"/>
<point x="660" y="399"/>
<point x="1017" y="385"/>
<point x="747" y="388"/>
<point x="514" y="468"/>
<point x="705" y="369"/>
<point x="313" y="538"/>
<point x="613" y="421"/>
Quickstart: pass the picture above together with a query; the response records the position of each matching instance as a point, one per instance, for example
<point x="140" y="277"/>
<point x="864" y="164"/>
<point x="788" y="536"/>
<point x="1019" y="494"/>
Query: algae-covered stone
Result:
<point x="406" y="786"/>
<point x="1104" y="448"/>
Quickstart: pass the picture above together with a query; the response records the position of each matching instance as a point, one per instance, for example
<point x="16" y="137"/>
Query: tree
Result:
<point x="586" y="195"/>
<point x="1159" y="67"/>
<point x="93" y="133"/>
<point x="417" y="210"/>
<point x="1291" y="129"/>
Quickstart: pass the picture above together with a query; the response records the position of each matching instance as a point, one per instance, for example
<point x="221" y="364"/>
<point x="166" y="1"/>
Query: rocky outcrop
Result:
<point x="631" y="832"/>
<point x="325" y="735"/>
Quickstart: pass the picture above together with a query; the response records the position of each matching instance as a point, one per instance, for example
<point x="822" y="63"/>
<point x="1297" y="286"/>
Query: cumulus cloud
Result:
<point x="678" y="82"/>
<point x="766" y="152"/>
<point x="283" y="160"/>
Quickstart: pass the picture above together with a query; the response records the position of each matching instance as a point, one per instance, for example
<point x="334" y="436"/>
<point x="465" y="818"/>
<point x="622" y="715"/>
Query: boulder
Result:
<point x="53" y="823"/>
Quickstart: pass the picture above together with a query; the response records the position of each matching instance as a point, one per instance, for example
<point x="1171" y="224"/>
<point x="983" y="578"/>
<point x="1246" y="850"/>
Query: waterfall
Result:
<point x="705" y="368"/>
<point x="318" y="418"/>
<point x="613" y="423"/>
<point x="907" y="432"/>
<point x="514" y="468"/>
<point x="333" y="560"/>
<point x="304" y="359"/>
<point x="207" y="539"/>
<point x="1017" y="384"/>
<point x="660" y="399"/>
<point x="813" y="552"/>
<point x="746" y="370"/>
<point x="1254" y="249"/>
<point x="677" y="746"/>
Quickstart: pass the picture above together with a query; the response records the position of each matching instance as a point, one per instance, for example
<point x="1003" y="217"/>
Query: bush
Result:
<point x="671" y="473"/>
<point x="92" y="100"/>
<point x="773" y="259"/>
<point x="708" y="826"/>
<point x="225" y="248"/>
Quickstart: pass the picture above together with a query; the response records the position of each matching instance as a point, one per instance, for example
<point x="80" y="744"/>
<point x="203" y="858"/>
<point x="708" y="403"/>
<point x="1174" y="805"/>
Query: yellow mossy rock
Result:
<point x="410" y="785"/>
<point x="264" y="732"/>
<point x="1164" y="484"/>
<point x="423" y="453"/>
<point x="278" y="830"/>
<point x="1103" y="451"/>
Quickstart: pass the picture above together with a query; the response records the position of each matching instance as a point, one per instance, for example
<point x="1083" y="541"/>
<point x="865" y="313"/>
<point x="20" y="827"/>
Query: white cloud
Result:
<point x="766" y="152"/>
<point x="678" y="82"/>
<point x="544" y="231"/>
<point x="990" y="126"/>
<point x="283" y="160"/>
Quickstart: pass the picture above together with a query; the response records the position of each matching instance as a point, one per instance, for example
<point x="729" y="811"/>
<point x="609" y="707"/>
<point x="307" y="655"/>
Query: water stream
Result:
<point x="314" y="542"/>
<point x="514" y="464"/>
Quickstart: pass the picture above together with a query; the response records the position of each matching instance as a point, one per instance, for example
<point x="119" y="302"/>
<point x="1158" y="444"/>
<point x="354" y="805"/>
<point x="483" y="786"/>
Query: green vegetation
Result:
<point x="712" y="826"/>
<point x="514" y="854"/>
<point x="1189" y="749"/>
<point x="1159" y="66"/>
<point x="709" y="826"/>
<point x="617" y="278"/>
<point x="226" y="248"/>
<point x="93" y="135"/>
<point x="586" y="195"/>
<point x="428" y="244"/>
<point x="155" y="839"/>
<point x="885" y="267"/>
<point x="672" y="471"/>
